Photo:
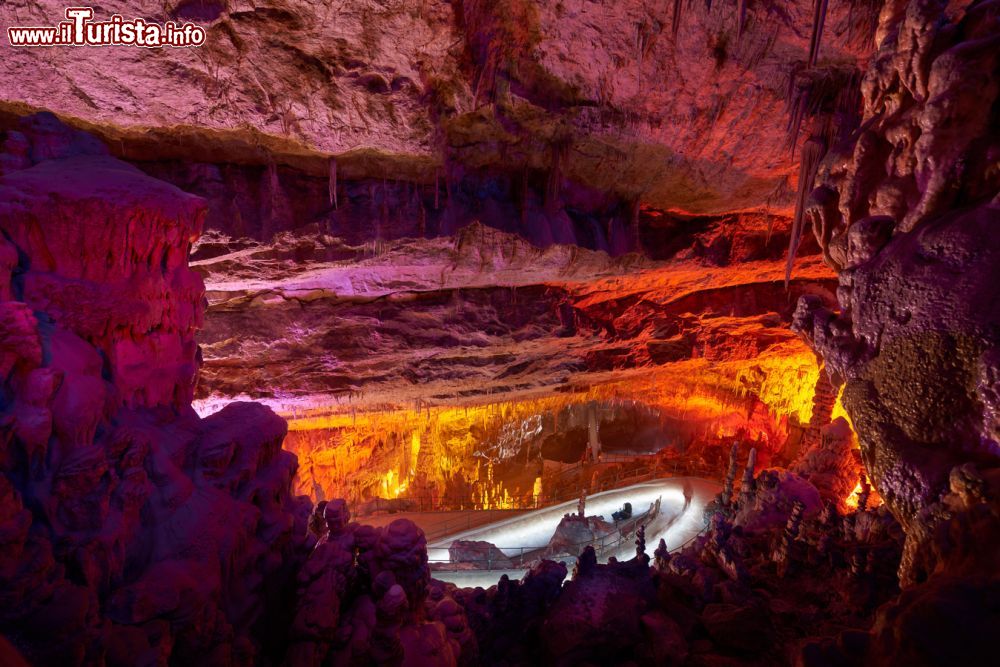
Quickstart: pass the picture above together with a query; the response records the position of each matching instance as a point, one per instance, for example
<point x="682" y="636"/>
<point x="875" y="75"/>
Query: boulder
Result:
<point x="481" y="555"/>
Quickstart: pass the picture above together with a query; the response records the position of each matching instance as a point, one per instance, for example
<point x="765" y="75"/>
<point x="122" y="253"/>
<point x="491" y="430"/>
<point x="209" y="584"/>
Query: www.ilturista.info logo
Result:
<point x="80" y="30"/>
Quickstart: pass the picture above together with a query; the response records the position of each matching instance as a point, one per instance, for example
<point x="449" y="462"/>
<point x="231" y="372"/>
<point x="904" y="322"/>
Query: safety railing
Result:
<point x="690" y="540"/>
<point x="467" y="521"/>
<point x="523" y="557"/>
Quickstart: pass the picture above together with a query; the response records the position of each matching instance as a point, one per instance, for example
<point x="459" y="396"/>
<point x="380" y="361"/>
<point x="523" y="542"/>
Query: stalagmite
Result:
<point x="593" y="436"/>
<point x="727" y="490"/>
<point x="824" y="401"/>
<point x="661" y="556"/>
<point x="640" y="544"/>
<point x="788" y="537"/>
<point x="748" y="485"/>
<point x="864" y="493"/>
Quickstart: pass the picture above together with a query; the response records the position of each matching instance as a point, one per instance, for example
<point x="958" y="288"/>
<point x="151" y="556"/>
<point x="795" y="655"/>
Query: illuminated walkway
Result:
<point x="677" y="524"/>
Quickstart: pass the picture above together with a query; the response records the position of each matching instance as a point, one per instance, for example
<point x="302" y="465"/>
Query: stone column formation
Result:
<point x="131" y="529"/>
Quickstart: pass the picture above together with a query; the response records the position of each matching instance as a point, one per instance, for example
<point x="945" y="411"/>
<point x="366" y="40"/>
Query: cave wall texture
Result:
<point x="576" y="112"/>
<point x="638" y="170"/>
<point x="131" y="529"/>
<point x="906" y="214"/>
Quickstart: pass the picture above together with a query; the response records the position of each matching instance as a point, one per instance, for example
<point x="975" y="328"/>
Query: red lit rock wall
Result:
<point x="131" y="530"/>
<point x="106" y="257"/>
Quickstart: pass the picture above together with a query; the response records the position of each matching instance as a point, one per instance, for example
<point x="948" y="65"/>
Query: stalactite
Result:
<point x="636" y="206"/>
<point x="552" y="185"/>
<point x="676" y="21"/>
<point x="862" y="21"/>
<point x="830" y="97"/>
<point x="524" y="196"/>
<point x="384" y="218"/>
<point x="487" y="77"/>
<point x="272" y="195"/>
<point x="332" y="183"/>
<point x="742" y="18"/>
<point x="819" y="18"/>
<point x="795" y="104"/>
<point x="832" y="94"/>
<point x="437" y="188"/>
<point x="812" y="153"/>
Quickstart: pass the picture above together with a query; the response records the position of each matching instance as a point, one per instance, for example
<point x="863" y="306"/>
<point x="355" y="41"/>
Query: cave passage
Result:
<point x="499" y="332"/>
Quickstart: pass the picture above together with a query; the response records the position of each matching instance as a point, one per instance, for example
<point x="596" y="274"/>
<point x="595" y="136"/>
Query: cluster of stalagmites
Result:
<point x="131" y="530"/>
<point x="365" y="596"/>
<point x="780" y="576"/>
<point x="775" y="567"/>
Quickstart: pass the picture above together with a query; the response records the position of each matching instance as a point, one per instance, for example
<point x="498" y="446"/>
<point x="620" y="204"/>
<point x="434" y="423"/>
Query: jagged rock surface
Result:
<point x="915" y="341"/>
<point x="131" y="529"/>
<point x="907" y="212"/>
<point x="608" y="96"/>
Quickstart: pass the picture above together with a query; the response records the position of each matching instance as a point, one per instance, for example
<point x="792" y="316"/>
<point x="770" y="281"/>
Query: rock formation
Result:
<point x="913" y="199"/>
<point x="464" y="247"/>
<point x="132" y="529"/>
<point x="911" y="238"/>
<point x="399" y="194"/>
<point x="830" y="464"/>
<point x="363" y="594"/>
<point x="479" y="554"/>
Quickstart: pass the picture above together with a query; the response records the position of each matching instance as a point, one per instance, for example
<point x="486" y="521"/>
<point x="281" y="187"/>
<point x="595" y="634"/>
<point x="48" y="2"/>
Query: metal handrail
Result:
<point x="458" y="524"/>
<point x="691" y="539"/>
<point x="630" y="527"/>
